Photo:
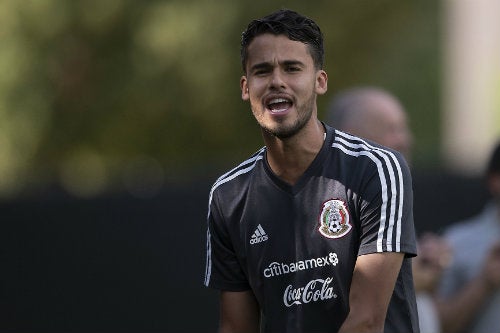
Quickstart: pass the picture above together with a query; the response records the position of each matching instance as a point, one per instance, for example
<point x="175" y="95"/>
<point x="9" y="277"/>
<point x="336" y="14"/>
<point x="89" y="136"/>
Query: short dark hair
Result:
<point x="291" y="24"/>
<point x="494" y="163"/>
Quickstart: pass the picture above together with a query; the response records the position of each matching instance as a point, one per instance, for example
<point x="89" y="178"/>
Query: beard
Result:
<point x="284" y="131"/>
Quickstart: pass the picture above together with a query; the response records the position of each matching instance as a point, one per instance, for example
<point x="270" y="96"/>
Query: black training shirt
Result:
<point x="296" y="246"/>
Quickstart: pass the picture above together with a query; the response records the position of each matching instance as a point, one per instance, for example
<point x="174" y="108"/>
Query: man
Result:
<point x="374" y="114"/>
<point x="470" y="288"/>
<point x="377" y="115"/>
<point x="314" y="231"/>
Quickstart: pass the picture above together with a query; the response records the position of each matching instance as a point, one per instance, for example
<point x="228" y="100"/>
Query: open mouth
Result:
<point x="279" y="105"/>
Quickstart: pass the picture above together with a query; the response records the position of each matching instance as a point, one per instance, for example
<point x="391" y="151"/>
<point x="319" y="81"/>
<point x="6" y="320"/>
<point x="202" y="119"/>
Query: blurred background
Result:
<point x="117" y="115"/>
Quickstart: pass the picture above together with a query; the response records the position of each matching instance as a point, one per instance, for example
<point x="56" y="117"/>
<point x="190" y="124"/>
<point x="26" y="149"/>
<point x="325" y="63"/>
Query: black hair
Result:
<point x="291" y="24"/>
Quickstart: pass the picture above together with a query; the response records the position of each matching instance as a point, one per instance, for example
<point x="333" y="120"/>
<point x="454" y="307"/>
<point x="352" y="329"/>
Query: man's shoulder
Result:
<point x="354" y="146"/>
<point x="364" y="157"/>
<point x="240" y="172"/>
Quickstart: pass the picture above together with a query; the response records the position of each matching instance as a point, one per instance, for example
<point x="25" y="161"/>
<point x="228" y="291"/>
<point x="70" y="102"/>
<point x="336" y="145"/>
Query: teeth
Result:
<point x="278" y="100"/>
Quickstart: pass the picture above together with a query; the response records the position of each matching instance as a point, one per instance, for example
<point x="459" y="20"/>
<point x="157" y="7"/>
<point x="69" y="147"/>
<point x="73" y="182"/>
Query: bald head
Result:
<point x="373" y="114"/>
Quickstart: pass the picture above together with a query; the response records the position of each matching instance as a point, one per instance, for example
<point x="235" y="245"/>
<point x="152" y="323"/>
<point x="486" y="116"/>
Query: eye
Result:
<point x="293" y="69"/>
<point x="260" y="72"/>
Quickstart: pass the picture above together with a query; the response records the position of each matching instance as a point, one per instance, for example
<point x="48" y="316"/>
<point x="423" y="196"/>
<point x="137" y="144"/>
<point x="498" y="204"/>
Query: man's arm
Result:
<point x="459" y="310"/>
<point x="373" y="282"/>
<point x="239" y="312"/>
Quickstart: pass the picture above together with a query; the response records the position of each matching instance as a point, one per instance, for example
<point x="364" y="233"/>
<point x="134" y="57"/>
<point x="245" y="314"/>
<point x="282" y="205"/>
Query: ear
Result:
<point x="244" y="88"/>
<point x="321" y="82"/>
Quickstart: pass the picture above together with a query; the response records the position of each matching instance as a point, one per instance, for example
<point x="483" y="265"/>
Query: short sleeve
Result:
<point x="386" y="216"/>
<point x="223" y="269"/>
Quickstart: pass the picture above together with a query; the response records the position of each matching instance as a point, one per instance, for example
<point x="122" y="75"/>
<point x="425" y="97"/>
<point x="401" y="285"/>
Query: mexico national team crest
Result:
<point x="334" y="219"/>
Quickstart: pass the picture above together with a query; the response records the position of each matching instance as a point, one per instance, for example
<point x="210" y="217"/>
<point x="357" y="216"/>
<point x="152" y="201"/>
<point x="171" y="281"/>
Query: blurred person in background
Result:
<point x="469" y="292"/>
<point x="377" y="115"/>
<point x="303" y="236"/>
<point x="373" y="114"/>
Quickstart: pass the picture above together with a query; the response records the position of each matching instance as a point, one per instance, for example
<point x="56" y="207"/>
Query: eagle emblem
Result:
<point x="334" y="219"/>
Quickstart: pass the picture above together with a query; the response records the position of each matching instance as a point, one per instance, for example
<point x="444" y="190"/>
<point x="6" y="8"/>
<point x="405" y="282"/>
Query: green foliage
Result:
<point x="88" y="87"/>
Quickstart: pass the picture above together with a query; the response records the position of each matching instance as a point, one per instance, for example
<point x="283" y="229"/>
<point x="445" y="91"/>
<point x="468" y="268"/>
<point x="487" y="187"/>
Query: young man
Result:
<point x="313" y="233"/>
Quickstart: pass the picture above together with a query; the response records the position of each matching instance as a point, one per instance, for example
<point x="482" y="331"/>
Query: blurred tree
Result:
<point x="90" y="88"/>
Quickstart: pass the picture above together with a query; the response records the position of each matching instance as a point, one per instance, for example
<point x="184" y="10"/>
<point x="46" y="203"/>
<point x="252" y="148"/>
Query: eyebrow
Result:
<point x="265" y="65"/>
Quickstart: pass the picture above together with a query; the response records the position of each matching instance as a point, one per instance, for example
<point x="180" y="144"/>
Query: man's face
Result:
<point x="281" y="84"/>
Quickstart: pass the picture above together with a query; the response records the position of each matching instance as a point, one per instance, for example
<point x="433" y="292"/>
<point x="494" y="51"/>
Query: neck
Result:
<point x="289" y="158"/>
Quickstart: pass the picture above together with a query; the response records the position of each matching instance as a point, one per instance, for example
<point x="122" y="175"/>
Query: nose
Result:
<point x="277" y="81"/>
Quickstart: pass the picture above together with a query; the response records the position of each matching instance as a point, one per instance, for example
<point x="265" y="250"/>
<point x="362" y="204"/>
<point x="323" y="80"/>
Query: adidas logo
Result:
<point x="259" y="235"/>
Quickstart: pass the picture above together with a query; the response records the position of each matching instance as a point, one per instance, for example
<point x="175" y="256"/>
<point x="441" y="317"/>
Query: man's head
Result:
<point x="373" y="114"/>
<point x="282" y="77"/>
<point x="290" y="24"/>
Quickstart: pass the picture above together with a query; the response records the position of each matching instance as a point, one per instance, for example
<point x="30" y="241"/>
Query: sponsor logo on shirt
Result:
<point x="276" y="268"/>
<point x="259" y="236"/>
<point x="314" y="291"/>
<point x="334" y="219"/>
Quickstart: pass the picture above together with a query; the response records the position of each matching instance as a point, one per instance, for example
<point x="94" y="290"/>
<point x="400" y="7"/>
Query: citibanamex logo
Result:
<point x="314" y="291"/>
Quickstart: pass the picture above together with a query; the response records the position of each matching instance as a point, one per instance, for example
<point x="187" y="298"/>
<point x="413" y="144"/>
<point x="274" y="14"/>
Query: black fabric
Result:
<point x="296" y="246"/>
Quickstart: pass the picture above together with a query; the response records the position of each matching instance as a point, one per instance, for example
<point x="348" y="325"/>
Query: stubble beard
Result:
<point x="304" y="115"/>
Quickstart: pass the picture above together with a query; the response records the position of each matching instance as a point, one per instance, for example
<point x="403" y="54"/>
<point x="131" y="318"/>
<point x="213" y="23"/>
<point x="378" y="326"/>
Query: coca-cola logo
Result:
<point x="314" y="291"/>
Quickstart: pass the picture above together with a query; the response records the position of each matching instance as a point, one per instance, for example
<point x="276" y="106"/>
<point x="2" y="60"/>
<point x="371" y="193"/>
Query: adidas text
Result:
<point x="258" y="236"/>
<point x="255" y="240"/>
